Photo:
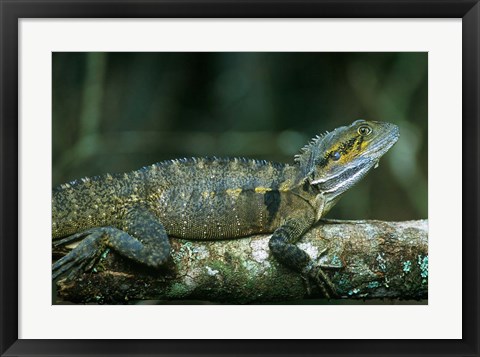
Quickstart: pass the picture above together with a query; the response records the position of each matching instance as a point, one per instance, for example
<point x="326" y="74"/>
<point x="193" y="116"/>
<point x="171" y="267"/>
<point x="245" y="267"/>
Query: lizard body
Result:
<point x="215" y="198"/>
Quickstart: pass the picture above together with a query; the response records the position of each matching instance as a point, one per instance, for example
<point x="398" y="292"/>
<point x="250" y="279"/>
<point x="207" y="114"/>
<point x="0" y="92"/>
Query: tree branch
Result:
<point x="364" y="259"/>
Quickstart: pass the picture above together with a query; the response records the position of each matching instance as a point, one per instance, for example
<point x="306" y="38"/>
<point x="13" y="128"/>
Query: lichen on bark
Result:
<point x="364" y="259"/>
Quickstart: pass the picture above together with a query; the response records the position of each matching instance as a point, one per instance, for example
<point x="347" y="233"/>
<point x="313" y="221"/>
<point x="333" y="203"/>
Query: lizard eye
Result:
<point x="364" y="130"/>
<point x="336" y="156"/>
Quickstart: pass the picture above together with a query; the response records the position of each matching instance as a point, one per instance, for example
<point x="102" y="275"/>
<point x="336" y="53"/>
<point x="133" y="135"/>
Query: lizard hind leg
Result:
<point x="143" y="240"/>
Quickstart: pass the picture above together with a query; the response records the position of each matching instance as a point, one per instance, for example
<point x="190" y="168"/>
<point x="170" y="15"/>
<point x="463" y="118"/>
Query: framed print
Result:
<point x="161" y="154"/>
<point x="252" y="195"/>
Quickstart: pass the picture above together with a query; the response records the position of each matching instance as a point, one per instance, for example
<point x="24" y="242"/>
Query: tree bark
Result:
<point x="364" y="260"/>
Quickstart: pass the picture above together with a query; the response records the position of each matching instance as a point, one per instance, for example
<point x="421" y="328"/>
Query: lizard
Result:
<point x="210" y="198"/>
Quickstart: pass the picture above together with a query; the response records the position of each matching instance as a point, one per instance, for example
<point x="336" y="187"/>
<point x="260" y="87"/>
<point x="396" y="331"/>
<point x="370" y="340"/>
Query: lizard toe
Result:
<point x="314" y="273"/>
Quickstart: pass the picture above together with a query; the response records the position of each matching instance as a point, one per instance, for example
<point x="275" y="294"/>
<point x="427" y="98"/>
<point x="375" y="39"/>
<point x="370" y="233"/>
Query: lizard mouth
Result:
<point x="383" y="146"/>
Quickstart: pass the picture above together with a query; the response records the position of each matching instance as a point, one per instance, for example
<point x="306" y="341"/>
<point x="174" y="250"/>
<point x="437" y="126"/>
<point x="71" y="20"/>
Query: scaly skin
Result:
<point x="214" y="198"/>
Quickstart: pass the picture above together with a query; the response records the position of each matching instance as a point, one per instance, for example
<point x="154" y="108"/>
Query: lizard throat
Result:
<point x="334" y="186"/>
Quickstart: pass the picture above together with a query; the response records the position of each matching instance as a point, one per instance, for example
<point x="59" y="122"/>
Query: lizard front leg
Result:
<point x="282" y="245"/>
<point x="142" y="239"/>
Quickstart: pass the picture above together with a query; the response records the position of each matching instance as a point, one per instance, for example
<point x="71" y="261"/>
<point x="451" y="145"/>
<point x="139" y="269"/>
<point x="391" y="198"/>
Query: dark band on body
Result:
<point x="272" y="201"/>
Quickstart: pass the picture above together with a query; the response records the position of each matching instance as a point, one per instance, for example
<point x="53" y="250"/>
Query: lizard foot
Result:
<point x="314" y="273"/>
<point x="83" y="257"/>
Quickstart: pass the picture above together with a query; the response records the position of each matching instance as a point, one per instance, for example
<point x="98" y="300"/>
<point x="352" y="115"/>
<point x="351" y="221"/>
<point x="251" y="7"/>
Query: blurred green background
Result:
<point x="115" y="112"/>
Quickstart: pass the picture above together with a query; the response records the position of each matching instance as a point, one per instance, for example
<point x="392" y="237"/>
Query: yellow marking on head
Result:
<point x="262" y="189"/>
<point x="346" y="158"/>
<point x="348" y="152"/>
<point x="234" y="192"/>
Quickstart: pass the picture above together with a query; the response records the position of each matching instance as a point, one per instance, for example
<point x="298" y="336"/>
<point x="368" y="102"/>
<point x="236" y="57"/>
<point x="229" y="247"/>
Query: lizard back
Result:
<point x="215" y="198"/>
<point x="196" y="198"/>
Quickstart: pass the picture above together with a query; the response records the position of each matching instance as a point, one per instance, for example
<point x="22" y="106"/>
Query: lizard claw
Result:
<point x="314" y="272"/>
<point x="306" y="281"/>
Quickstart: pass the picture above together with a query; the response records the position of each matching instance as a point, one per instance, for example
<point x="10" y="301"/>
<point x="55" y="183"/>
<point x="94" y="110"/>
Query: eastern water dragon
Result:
<point x="135" y="213"/>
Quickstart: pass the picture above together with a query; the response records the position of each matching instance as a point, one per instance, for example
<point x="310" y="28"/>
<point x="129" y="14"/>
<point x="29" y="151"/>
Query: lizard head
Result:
<point x="336" y="160"/>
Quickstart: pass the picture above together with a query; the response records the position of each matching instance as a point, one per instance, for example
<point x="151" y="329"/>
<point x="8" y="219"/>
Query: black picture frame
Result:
<point x="11" y="11"/>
